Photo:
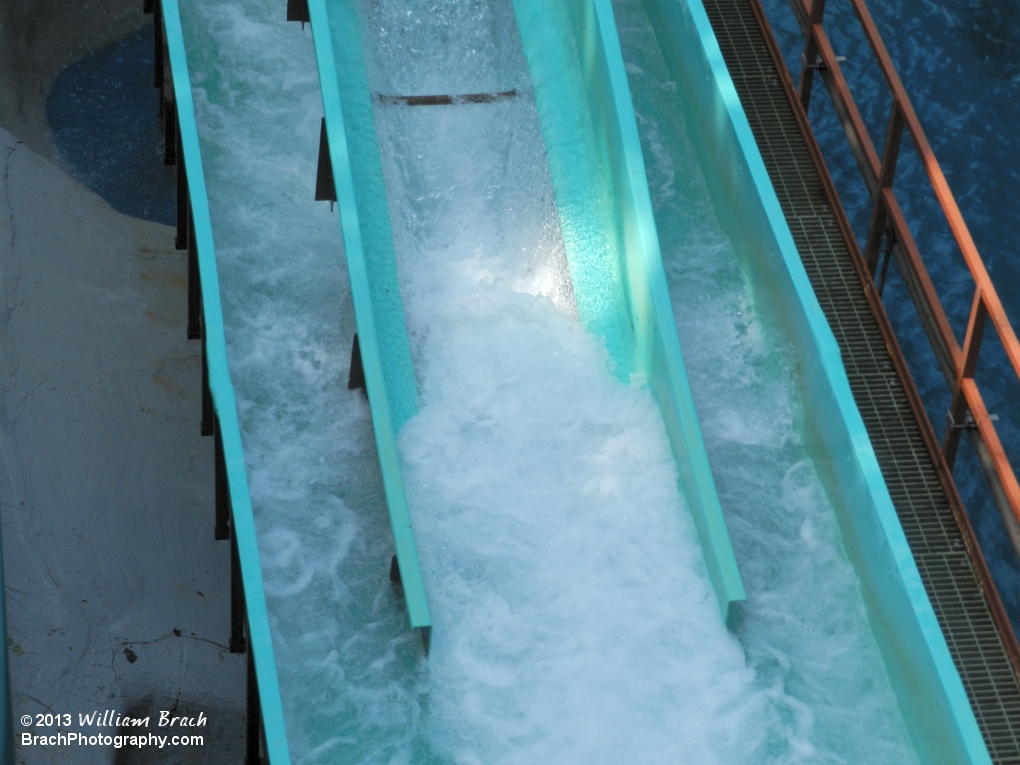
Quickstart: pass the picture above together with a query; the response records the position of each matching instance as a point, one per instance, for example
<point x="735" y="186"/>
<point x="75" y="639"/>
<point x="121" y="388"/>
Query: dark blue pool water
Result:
<point x="103" y="116"/>
<point x="960" y="64"/>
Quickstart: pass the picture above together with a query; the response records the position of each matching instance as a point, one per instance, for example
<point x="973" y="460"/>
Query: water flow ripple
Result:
<point x="805" y="606"/>
<point x="574" y="621"/>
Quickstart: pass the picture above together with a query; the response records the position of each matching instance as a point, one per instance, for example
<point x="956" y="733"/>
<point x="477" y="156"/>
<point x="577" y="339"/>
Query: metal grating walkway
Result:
<point x="917" y="493"/>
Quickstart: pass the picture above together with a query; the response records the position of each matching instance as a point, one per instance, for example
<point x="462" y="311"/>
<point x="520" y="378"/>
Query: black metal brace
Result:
<point x="969" y="423"/>
<point x="819" y="63"/>
<point x="238" y="620"/>
<point x="168" y="112"/>
<point x="208" y="412"/>
<point x="181" y="241"/>
<point x="297" y="10"/>
<point x="356" y="378"/>
<point x="890" y="242"/>
<point x="157" y="40"/>
<point x="255" y="734"/>
<point x="223" y="503"/>
<point x="325" y="189"/>
<point x="395" y="580"/>
<point x="195" y="311"/>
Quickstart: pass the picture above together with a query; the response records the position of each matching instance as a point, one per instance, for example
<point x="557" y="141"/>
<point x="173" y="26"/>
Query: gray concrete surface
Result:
<point x="117" y="594"/>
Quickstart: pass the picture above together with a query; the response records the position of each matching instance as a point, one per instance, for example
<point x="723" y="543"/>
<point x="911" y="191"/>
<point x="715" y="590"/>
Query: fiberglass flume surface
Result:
<point x="544" y="495"/>
<point x="258" y="639"/>
<point x="928" y="690"/>
<point x="579" y="625"/>
<point x="605" y="219"/>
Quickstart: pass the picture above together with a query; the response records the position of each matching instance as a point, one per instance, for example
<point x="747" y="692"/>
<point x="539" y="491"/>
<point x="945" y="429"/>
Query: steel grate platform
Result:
<point x="917" y="493"/>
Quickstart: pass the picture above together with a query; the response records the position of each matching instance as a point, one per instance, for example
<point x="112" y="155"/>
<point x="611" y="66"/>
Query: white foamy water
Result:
<point x="573" y="620"/>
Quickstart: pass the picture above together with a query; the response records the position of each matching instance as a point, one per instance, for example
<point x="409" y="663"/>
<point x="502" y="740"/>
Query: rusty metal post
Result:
<point x="810" y="55"/>
<point x="890" y="154"/>
<point x="958" y="408"/>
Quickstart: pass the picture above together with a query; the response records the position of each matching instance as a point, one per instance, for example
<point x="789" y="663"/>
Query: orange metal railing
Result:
<point x="889" y="235"/>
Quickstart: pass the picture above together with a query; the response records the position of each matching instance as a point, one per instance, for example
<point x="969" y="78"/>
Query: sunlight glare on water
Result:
<point x="573" y="619"/>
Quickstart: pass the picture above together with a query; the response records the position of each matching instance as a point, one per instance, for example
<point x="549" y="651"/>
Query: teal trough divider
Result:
<point x="372" y="268"/>
<point x="928" y="687"/>
<point x="582" y="94"/>
<point x="260" y="641"/>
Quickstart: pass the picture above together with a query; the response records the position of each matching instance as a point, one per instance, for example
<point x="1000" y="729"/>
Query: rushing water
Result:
<point x="574" y="621"/>
<point x="960" y="64"/>
<point x="804" y="602"/>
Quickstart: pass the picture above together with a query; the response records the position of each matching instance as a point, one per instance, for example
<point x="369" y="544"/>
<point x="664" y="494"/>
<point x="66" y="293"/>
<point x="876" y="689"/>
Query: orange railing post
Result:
<point x="809" y="58"/>
<point x="967" y="409"/>
<point x="890" y="154"/>
<point x="956" y="417"/>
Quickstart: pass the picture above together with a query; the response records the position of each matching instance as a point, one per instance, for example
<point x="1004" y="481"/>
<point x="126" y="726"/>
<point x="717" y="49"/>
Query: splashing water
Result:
<point x="574" y="622"/>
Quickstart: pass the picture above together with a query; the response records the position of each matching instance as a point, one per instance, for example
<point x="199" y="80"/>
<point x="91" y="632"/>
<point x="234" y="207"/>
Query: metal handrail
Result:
<point x="889" y="234"/>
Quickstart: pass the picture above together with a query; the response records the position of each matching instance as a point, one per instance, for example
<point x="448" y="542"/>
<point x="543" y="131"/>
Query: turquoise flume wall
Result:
<point x="598" y="176"/>
<point x="372" y="268"/>
<point x="927" y="685"/>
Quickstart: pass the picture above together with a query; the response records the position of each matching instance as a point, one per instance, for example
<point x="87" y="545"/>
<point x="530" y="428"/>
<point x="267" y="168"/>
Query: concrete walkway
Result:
<point x="117" y="593"/>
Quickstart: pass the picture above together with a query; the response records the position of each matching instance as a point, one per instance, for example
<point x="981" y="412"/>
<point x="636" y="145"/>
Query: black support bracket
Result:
<point x="356" y="378"/>
<point x="255" y="733"/>
<point x="238" y="620"/>
<point x="297" y="10"/>
<point x="183" y="236"/>
<point x="325" y="190"/>
<point x="223" y="504"/>
<point x="207" y="402"/>
<point x="157" y="40"/>
<point x="395" y="580"/>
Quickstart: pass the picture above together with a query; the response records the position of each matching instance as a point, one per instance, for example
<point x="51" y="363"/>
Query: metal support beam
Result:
<point x="207" y="402"/>
<point x="325" y="189"/>
<point x="168" y="111"/>
<point x="879" y="215"/>
<point x="958" y="407"/>
<point x="238" y="623"/>
<point x="445" y="99"/>
<point x="987" y="462"/>
<point x="810" y="56"/>
<point x="223" y="525"/>
<point x="253" y="732"/>
<point x="195" y="320"/>
<point x="356" y="377"/>
<point x="158" y="43"/>
<point x="183" y="213"/>
<point x="890" y="242"/>
<point x="297" y="10"/>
